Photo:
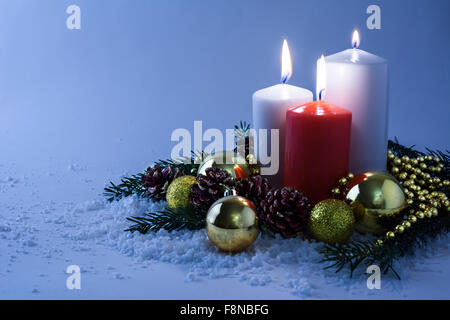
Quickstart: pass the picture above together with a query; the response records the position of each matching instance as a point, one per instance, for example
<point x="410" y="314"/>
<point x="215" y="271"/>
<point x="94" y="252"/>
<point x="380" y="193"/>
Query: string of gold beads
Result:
<point x="420" y="187"/>
<point x="343" y="183"/>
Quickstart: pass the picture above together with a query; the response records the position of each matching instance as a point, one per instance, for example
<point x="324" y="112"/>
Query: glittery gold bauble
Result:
<point x="177" y="195"/>
<point x="331" y="221"/>
<point x="235" y="164"/>
<point x="373" y="195"/>
<point x="232" y="224"/>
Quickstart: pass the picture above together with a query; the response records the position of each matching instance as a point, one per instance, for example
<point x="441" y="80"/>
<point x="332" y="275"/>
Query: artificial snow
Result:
<point x="42" y="235"/>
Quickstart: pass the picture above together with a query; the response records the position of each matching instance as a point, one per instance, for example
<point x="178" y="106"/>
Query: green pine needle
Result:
<point x="127" y="187"/>
<point x="168" y="219"/>
<point x="133" y="184"/>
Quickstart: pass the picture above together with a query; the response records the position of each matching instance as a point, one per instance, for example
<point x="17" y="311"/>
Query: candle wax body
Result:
<point x="317" y="148"/>
<point x="358" y="80"/>
<point x="269" y="112"/>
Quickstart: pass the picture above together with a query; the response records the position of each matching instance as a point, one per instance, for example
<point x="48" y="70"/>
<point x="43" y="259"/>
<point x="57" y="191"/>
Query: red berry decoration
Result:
<point x="285" y="211"/>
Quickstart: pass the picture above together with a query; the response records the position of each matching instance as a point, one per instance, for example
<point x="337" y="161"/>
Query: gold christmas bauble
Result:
<point x="232" y="224"/>
<point x="331" y="221"/>
<point x="234" y="163"/>
<point x="178" y="192"/>
<point x="373" y="195"/>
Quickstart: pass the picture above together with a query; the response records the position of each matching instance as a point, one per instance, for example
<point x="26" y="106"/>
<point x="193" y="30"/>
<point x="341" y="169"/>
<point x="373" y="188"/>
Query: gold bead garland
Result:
<point x="415" y="175"/>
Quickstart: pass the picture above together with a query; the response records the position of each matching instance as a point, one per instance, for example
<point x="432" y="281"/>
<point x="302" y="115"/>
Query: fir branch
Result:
<point x="133" y="184"/>
<point x="400" y="151"/>
<point x="242" y="130"/>
<point x="356" y="253"/>
<point x="127" y="187"/>
<point x="187" y="166"/>
<point x="168" y="219"/>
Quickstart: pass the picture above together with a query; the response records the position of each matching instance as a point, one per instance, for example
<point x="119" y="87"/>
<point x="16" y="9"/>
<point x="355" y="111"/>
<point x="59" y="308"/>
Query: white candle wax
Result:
<point x="358" y="81"/>
<point x="269" y="112"/>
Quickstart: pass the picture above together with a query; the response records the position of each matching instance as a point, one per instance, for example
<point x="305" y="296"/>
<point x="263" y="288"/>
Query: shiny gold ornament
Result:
<point x="399" y="229"/>
<point x="232" y="224"/>
<point x="412" y="218"/>
<point x="331" y="221"/>
<point x="178" y="192"/>
<point x="390" y="235"/>
<point x="373" y="195"/>
<point x="235" y="164"/>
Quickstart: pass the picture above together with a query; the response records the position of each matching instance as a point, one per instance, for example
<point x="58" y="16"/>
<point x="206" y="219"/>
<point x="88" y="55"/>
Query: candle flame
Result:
<point x="321" y="78"/>
<point x="355" y="38"/>
<point x="286" y="63"/>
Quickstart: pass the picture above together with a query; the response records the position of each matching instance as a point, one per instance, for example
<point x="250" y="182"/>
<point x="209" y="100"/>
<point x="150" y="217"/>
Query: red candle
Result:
<point x="317" y="148"/>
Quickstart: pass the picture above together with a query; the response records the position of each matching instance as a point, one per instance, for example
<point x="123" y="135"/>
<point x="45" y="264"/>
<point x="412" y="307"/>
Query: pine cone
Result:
<point x="210" y="187"/>
<point x="285" y="211"/>
<point x="253" y="188"/>
<point x="157" y="179"/>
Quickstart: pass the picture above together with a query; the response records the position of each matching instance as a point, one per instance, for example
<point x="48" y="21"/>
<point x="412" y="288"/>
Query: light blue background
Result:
<point x="110" y="94"/>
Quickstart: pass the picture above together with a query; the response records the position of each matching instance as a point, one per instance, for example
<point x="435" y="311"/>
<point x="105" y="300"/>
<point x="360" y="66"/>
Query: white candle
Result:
<point x="270" y="106"/>
<point x="358" y="81"/>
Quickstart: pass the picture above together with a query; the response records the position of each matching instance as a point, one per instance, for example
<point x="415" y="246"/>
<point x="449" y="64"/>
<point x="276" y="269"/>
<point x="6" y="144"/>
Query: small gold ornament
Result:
<point x="234" y="163"/>
<point x="232" y="224"/>
<point x="373" y="195"/>
<point x="331" y="221"/>
<point x="178" y="192"/>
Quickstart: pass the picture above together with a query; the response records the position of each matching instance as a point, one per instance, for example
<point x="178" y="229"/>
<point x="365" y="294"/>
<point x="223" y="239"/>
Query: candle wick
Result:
<point x="321" y="94"/>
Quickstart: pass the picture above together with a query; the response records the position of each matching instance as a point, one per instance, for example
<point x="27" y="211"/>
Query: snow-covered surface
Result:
<point x="52" y="219"/>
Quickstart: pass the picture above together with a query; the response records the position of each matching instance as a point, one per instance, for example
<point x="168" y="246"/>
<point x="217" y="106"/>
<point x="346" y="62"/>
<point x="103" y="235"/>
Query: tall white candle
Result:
<point x="358" y="81"/>
<point x="270" y="106"/>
